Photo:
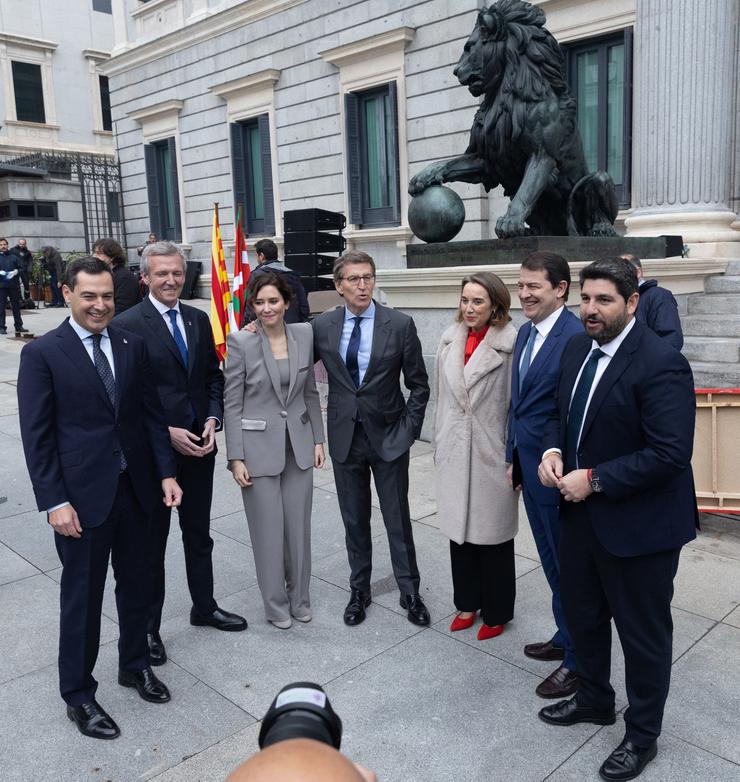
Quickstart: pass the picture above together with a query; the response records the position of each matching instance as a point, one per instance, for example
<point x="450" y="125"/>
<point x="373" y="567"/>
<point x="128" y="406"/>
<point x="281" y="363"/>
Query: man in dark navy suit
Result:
<point x="544" y="283"/>
<point x="190" y="384"/>
<point x="618" y="448"/>
<point x="96" y="446"/>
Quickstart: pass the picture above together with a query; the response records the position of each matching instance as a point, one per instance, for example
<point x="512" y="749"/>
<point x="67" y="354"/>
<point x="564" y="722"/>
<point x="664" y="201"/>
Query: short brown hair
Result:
<point x="497" y="292"/>
<point x="259" y="281"/>
<point x="353" y="256"/>
<point x="112" y="249"/>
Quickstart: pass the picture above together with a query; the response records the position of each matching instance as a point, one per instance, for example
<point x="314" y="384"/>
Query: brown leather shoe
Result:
<point x="561" y="683"/>
<point x="544" y="651"/>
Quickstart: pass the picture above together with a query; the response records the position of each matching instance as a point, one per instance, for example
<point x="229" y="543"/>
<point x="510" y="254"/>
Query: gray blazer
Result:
<point x="255" y="412"/>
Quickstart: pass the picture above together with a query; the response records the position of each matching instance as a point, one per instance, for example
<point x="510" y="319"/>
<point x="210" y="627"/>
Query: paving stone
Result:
<point x="676" y="760"/>
<point x="14" y="567"/>
<point x="15" y="483"/>
<point x="250" y="667"/>
<point x="432" y="710"/>
<point x="733" y="618"/>
<point x="707" y="584"/>
<point x="153" y="736"/>
<point x="10" y="425"/>
<point x="29" y="618"/>
<point x="31" y="537"/>
<point x="703" y="705"/>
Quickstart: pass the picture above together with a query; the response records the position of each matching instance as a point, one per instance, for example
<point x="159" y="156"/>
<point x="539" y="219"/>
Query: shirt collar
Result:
<point x="544" y="327"/>
<point x="368" y="313"/>
<point x="610" y="348"/>
<point x="83" y="333"/>
<point x="163" y="309"/>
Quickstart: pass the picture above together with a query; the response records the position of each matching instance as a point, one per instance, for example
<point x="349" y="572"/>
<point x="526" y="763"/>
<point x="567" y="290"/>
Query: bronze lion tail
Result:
<point x="593" y="206"/>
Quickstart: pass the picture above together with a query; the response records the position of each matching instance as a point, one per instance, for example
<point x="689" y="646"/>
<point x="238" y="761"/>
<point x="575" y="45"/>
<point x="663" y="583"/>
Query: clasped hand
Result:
<point x="575" y="486"/>
<point x="186" y="443"/>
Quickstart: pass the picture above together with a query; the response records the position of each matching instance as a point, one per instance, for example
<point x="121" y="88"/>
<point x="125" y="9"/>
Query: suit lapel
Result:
<point x="156" y="323"/>
<point x="334" y="335"/>
<point x="621" y="360"/>
<point x="293" y="360"/>
<point x="72" y="346"/>
<point x="571" y="366"/>
<point x="521" y="340"/>
<point x="272" y="368"/>
<point x="119" y="346"/>
<point x="191" y="335"/>
<point x="453" y="365"/>
<point x="381" y="332"/>
<point x="484" y="360"/>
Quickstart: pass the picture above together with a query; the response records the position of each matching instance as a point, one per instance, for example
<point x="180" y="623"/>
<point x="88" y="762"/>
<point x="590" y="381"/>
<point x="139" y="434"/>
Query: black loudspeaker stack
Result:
<point x="310" y="235"/>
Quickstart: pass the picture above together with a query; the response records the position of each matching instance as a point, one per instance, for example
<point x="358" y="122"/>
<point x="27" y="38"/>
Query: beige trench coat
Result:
<point x="475" y="503"/>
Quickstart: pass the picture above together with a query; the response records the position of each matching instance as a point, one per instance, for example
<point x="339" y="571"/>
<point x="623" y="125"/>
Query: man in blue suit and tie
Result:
<point x="544" y="282"/>
<point x="97" y="450"/>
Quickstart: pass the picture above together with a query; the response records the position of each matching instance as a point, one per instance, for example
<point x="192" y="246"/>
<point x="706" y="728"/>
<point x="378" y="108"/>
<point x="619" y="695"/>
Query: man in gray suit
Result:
<point x="371" y="427"/>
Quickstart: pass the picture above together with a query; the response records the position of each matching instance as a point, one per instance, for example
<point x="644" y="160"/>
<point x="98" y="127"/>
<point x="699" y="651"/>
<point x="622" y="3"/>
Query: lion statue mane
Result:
<point x="525" y="136"/>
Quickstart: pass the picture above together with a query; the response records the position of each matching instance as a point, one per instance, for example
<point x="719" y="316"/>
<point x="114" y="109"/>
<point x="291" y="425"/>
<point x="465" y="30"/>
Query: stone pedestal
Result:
<point x="685" y="137"/>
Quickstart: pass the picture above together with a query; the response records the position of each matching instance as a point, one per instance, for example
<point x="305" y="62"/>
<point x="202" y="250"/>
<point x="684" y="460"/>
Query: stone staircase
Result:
<point x="711" y="330"/>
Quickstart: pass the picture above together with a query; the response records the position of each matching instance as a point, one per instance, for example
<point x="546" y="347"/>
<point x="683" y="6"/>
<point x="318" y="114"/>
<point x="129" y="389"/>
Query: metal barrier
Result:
<point x="716" y="460"/>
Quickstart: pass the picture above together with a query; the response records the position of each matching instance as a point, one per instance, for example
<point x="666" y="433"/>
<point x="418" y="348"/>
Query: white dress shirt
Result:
<point x="544" y="327"/>
<point x="163" y="309"/>
<point x="367" y="325"/>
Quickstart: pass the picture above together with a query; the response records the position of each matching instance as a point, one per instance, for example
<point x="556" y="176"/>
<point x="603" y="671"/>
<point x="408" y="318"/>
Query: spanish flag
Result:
<point x="220" y="295"/>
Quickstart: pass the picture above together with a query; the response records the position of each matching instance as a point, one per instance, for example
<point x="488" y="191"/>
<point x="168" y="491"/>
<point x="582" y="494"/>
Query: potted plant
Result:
<point x="39" y="279"/>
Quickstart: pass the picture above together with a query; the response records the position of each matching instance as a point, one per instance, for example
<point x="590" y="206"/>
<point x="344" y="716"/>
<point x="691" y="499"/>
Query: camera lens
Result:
<point x="301" y="711"/>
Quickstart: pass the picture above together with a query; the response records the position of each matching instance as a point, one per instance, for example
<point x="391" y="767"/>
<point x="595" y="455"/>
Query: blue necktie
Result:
<point x="527" y="359"/>
<point x="177" y="334"/>
<point x="353" y="348"/>
<point x="106" y="375"/>
<point x="578" y="409"/>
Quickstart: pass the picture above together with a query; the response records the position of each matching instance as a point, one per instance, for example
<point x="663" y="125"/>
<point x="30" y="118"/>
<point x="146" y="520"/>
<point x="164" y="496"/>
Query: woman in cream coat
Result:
<point x="274" y="436"/>
<point x="476" y="506"/>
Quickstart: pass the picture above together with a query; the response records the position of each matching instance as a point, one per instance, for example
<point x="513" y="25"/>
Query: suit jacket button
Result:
<point x="283" y="413"/>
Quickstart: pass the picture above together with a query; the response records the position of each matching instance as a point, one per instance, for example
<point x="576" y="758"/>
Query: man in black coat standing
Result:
<point x="10" y="287"/>
<point x="186" y="372"/>
<point x="25" y="264"/>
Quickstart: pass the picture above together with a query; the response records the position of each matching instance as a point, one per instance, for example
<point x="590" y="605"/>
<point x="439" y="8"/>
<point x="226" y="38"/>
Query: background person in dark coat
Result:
<point x="618" y="447"/>
<point x="25" y="264"/>
<point x="55" y="266"/>
<point x="266" y="253"/>
<point x="96" y="447"/>
<point x="126" y="291"/>
<point x="10" y="287"/>
<point x="657" y="307"/>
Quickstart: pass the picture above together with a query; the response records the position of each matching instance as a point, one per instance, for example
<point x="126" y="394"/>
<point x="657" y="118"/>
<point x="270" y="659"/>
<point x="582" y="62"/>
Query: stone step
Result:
<point x="712" y="349"/>
<point x="711" y="325"/>
<point x="723" y="283"/>
<point x="708" y="375"/>
<point x="713" y="304"/>
<point x="733" y="267"/>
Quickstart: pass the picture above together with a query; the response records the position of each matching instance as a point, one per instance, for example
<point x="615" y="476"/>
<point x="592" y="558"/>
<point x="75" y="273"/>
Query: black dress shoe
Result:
<point x="93" y="720"/>
<point x="157" y="652"/>
<point x="559" y="684"/>
<point x="417" y="611"/>
<point x="627" y="761"/>
<point x="544" y="651"/>
<point x="221" y="620"/>
<point x="146" y="684"/>
<point x="570" y="713"/>
<point x="354" y="613"/>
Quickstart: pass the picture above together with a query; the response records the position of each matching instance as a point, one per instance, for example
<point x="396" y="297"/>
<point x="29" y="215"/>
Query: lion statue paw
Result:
<point x="509" y="227"/>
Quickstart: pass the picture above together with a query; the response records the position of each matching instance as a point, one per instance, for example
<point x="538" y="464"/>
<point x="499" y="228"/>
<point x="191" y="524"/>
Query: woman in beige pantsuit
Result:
<point x="274" y="437"/>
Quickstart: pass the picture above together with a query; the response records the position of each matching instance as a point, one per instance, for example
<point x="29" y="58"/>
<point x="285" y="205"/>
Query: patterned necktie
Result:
<point x="527" y="359"/>
<point x="179" y="339"/>
<point x="353" y="348"/>
<point x="106" y="375"/>
<point x="578" y="409"/>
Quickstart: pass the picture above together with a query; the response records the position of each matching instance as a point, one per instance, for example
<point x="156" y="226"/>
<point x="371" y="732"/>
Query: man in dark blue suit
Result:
<point x="544" y="283"/>
<point x="96" y="446"/>
<point x="618" y="448"/>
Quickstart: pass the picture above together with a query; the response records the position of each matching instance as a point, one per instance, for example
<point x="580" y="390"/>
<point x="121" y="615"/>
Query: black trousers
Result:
<point x="484" y="578"/>
<point x="14" y="294"/>
<point x="636" y="592"/>
<point x="195" y="476"/>
<point x="123" y="536"/>
<point x="352" y="479"/>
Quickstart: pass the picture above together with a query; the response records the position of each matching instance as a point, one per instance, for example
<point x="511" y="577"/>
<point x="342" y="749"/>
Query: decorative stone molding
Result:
<point x="440" y="288"/>
<point x="370" y="62"/>
<point x="569" y="21"/>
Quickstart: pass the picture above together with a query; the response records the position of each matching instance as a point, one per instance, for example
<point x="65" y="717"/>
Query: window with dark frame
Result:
<point x="29" y="92"/>
<point x="105" y="102"/>
<point x="29" y="210"/>
<point x="372" y="151"/>
<point x="599" y="72"/>
<point x="103" y="6"/>
<point x="252" y="173"/>
<point x="160" y="160"/>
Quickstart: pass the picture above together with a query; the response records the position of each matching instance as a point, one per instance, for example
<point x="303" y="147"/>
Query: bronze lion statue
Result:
<point x="524" y="136"/>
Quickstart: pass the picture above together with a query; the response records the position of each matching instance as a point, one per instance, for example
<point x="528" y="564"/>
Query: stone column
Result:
<point x="120" y="27"/>
<point x="684" y="133"/>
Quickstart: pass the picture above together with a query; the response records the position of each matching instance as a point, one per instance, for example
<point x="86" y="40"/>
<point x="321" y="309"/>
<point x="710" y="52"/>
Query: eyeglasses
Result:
<point x="355" y="279"/>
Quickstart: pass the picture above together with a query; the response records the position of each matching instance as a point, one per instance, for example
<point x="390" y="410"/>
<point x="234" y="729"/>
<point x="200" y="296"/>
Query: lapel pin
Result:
<point x="190" y="323"/>
<point x="125" y="341"/>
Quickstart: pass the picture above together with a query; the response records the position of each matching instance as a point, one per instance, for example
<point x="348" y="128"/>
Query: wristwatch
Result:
<point x="596" y="486"/>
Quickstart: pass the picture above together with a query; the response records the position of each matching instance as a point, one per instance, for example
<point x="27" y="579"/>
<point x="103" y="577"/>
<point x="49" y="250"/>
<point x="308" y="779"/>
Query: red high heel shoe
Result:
<point x="459" y="623"/>
<point x="486" y="631"/>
